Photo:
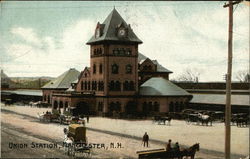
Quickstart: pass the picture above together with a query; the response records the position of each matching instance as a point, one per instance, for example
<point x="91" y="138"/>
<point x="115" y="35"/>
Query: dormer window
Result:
<point x="97" y="33"/>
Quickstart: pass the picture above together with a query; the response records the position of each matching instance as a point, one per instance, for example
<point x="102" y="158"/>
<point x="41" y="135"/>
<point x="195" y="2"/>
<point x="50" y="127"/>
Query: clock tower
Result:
<point x="114" y="65"/>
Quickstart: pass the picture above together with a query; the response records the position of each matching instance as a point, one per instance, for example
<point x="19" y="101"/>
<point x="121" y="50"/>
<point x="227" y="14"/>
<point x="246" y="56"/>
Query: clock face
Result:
<point x="122" y="32"/>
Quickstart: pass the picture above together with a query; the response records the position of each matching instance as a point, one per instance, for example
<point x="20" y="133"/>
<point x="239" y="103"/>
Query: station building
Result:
<point x="120" y="80"/>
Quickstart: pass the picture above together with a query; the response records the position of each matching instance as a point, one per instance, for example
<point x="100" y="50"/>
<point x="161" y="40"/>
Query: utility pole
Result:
<point x="228" y="79"/>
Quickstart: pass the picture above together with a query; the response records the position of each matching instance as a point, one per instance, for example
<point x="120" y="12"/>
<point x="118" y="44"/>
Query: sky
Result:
<point x="44" y="38"/>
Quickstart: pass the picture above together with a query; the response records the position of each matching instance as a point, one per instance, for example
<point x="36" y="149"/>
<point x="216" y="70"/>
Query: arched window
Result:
<point x="118" y="106"/>
<point x="94" y="51"/>
<point x="94" y="85"/>
<point x="128" y="52"/>
<point x="44" y="97"/>
<point x="81" y="85"/>
<point x="100" y="68"/>
<point x="85" y="85"/>
<point x="126" y="86"/>
<point x="55" y="104"/>
<point x="117" y="86"/>
<point x="48" y="99"/>
<point x="100" y="106"/>
<point x="131" y="85"/>
<point x="66" y="104"/>
<point x="156" y="107"/>
<point x="111" y="85"/>
<point x="115" y="69"/>
<point x="100" y="86"/>
<point x="150" y="106"/>
<point x="115" y="52"/>
<point x="144" y="107"/>
<point x="94" y="69"/>
<point x="112" y="107"/>
<point x="122" y="51"/>
<point x="60" y="104"/>
<point x="89" y="85"/>
<point x="128" y="69"/>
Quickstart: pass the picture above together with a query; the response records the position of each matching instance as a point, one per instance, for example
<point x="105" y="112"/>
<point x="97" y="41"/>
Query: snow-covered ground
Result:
<point x="209" y="137"/>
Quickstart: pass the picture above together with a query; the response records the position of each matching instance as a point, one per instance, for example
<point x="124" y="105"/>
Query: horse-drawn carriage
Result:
<point x="199" y="118"/>
<point x="171" y="154"/>
<point x="162" y="120"/>
<point x="75" y="140"/>
<point x="48" y="117"/>
<point x="240" y="119"/>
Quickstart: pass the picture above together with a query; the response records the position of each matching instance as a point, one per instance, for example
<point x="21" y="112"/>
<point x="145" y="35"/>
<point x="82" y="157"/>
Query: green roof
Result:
<point x="158" y="86"/>
<point x="63" y="81"/>
<point x="110" y="33"/>
<point x="220" y="99"/>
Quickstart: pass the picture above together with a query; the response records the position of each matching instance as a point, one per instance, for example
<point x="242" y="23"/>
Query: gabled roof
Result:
<point x="159" y="67"/>
<point x="63" y="81"/>
<point x="158" y="86"/>
<point x="109" y="31"/>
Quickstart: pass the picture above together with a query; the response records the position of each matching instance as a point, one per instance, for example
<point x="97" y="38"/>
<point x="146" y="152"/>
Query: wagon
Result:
<point x="76" y="140"/>
<point x="48" y="117"/>
<point x="170" y="154"/>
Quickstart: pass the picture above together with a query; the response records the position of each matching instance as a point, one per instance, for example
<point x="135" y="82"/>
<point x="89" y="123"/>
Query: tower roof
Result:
<point x="109" y="30"/>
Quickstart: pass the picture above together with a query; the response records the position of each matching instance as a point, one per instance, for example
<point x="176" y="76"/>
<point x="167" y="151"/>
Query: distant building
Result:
<point x="60" y="84"/>
<point x="120" y="80"/>
<point x="5" y="81"/>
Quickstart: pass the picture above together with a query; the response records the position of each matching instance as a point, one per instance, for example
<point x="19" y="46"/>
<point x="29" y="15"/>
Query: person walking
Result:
<point x="145" y="139"/>
<point x="87" y="118"/>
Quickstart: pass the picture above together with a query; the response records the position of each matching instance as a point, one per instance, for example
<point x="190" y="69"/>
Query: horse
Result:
<point x="190" y="152"/>
<point x="205" y="119"/>
<point x="162" y="120"/>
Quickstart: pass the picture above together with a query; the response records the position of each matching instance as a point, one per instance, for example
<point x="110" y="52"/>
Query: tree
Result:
<point x="243" y="76"/>
<point x="190" y="75"/>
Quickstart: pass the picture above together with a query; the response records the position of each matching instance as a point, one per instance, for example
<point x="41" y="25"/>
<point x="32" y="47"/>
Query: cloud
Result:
<point x="49" y="59"/>
<point x="176" y="40"/>
<point x="27" y="34"/>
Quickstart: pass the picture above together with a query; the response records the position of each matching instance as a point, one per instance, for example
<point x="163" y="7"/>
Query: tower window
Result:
<point x="128" y="52"/>
<point x="100" y="68"/>
<point x="100" y="86"/>
<point x="128" y="69"/>
<point x="115" y="69"/>
<point x="117" y="86"/>
<point x="131" y="86"/>
<point x="94" y="69"/>
<point x="126" y="86"/>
